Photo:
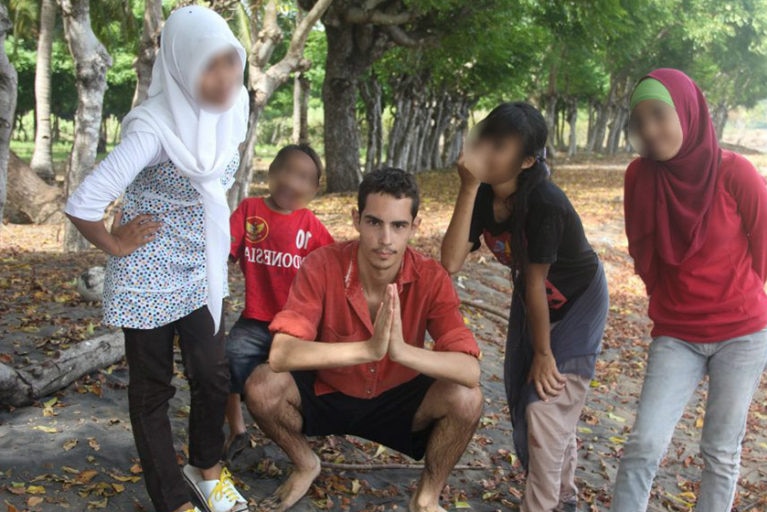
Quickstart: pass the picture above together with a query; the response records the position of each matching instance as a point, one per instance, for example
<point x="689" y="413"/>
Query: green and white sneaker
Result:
<point x="216" y="495"/>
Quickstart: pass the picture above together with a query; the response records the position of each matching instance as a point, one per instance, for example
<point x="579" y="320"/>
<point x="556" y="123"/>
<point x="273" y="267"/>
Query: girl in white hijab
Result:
<point x="166" y="271"/>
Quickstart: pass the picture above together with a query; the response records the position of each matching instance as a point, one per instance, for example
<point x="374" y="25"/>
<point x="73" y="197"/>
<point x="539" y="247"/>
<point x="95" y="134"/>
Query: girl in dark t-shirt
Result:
<point x="560" y="300"/>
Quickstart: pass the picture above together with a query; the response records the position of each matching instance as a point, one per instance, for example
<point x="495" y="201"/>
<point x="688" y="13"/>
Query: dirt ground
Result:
<point x="74" y="450"/>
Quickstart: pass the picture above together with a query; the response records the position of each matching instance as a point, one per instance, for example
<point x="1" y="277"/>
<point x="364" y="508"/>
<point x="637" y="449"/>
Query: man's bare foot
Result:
<point x="293" y="489"/>
<point x="415" y="507"/>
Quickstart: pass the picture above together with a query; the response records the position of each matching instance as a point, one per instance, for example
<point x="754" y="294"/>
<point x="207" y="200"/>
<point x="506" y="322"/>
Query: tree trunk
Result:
<point x="616" y="130"/>
<point x="455" y="131"/>
<point x="301" y="90"/>
<point x="441" y="122"/>
<point x="42" y="161"/>
<point x="398" y="132"/>
<point x="720" y="115"/>
<point x="602" y="118"/>
<point x="8" y="90"/>
<point x="91" y="64"/>
<point x="147" y="49"/>
<point x="339" y="96"/>
<point x="550" y="114"/>
<point x="572" y="119"/>
<point x="26" y="385"/>
<point x="370" y="90"/>
<point x="102" y="145"/>
<point x="620" y="114"/>
<point x="30" y="199"/>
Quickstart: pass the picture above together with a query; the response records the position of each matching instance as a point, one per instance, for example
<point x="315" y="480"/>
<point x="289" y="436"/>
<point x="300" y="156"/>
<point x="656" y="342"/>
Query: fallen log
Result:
<point x="503" y="315"/>
<point x="23" y="386"/>
<point x="30" y="199"/>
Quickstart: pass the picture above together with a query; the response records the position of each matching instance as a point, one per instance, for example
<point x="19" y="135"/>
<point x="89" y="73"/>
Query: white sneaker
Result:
<point x="216" y="495"/>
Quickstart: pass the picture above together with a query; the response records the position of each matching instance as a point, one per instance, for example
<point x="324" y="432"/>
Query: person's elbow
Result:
<point x="470" y="373"/>
<point x="473" y="374"/>
<point x="450" y="262"/>
<point x="278" y="354"/>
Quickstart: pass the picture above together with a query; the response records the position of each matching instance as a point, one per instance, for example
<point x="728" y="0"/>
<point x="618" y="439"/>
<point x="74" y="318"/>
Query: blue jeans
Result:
<point x="674" y="370"/>
<point x="247" y="346"/>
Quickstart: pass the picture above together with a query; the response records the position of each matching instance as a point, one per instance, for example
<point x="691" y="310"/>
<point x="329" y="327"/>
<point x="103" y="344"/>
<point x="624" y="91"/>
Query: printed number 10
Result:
<point x="302" y="239"/>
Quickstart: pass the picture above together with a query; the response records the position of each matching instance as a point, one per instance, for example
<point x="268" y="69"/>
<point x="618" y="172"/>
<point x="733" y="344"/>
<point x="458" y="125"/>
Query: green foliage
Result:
<point x="484" y="51"/>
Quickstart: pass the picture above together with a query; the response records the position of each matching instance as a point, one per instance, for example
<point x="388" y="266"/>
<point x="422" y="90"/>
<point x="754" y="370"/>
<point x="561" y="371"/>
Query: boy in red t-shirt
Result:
<point x="270" y="238"/>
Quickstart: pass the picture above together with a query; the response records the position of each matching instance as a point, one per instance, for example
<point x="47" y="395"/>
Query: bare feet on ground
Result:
<point x="293" y="489"/>
<point x="415" y="507"/>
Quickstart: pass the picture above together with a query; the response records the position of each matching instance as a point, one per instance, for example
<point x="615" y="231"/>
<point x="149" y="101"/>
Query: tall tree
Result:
<point x="8" y="86"/>
<point x="91" y="64"/>
<point x="265" y="33"/>
<point x="358" y="33"/>
<point x="147" y="48"/>
<point x="431" y="89"/>
<point x="42" y="161"/>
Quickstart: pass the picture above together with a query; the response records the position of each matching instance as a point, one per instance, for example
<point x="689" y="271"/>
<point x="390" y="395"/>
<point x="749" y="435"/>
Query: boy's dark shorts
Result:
<point x="247" y="346"/>
<point x="386" y="419"/>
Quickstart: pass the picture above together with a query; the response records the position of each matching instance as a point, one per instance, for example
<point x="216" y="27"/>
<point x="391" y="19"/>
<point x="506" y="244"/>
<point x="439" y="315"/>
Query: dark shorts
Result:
<point x="247" y="346"/>
<point x="386" y="419"/>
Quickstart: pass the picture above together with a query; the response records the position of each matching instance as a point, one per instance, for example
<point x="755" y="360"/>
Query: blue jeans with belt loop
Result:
<point x="674" y="371"/>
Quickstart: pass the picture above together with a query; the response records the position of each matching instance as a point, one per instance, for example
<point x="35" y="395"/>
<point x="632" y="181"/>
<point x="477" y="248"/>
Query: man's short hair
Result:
<point x="390" y="181"/>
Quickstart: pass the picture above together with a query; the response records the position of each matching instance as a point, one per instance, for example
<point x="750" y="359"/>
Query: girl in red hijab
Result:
<point x="696" y="221"/>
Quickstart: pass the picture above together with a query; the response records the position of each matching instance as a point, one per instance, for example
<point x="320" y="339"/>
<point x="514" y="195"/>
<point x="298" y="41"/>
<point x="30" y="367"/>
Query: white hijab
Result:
<point x="201" y="143"/>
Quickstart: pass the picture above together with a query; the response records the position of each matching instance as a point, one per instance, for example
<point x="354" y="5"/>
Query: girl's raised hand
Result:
<point x="130" y="236"/>
<point x="472" y="163"/>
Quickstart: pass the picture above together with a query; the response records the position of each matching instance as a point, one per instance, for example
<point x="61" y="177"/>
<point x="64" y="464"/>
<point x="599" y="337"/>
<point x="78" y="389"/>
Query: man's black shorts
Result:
<point x="386" y="419"/>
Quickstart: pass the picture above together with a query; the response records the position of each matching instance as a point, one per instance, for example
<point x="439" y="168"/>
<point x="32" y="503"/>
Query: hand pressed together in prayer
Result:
<point x="387" y="329"/>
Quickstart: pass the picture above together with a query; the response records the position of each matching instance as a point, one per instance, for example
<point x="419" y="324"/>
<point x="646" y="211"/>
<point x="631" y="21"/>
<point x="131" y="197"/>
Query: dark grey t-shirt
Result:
<point x="554" y="235"/>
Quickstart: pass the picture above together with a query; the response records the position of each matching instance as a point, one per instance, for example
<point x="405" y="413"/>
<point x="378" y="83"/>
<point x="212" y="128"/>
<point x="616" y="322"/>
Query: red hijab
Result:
<point x="667" y="203"/>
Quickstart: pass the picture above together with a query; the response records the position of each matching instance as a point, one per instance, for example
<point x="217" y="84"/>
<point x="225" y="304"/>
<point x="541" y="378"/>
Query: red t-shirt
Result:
<point x="270" y="247"/>
<point x="718" y="293"/>
<point x="327" y="305"/>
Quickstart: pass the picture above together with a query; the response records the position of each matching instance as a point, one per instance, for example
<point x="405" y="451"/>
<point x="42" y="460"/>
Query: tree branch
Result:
<point x="298" y="40"/>
<point x="369" y="5"/>
<point x="267" y="38"/>
<point x="360" y="16"/>
<point x="400" y="37"/>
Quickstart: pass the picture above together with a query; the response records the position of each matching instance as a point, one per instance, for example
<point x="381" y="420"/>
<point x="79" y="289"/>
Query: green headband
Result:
<point x="650" y="89"/>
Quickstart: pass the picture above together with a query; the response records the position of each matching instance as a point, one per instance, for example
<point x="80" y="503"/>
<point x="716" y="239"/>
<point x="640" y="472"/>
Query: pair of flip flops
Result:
<point x="215" y="495"/>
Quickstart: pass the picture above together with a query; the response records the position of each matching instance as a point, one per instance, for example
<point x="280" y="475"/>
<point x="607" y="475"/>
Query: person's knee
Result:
<point x="465" y="403"/>
<point x="144" y="398"/>
<point x="265" y="390"/>
<point x="208" y="375"/>
<point x="645" y="445"/>
<point x="718" y="456"/>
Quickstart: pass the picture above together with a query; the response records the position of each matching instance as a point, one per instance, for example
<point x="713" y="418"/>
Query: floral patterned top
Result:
<point x="165" y="279"/>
